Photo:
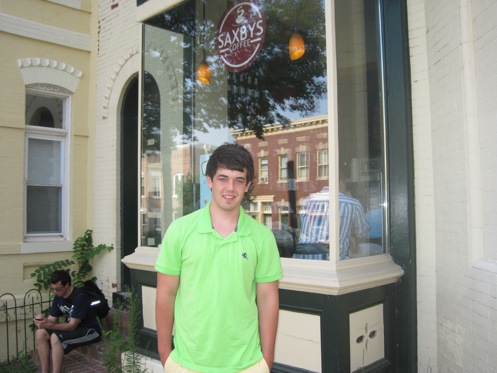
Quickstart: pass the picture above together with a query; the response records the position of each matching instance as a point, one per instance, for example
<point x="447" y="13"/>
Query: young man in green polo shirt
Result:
<point x="217" y="281"/>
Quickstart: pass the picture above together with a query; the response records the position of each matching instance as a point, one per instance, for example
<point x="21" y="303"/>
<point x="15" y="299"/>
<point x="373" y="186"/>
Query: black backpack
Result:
<point x="97" y="298"/>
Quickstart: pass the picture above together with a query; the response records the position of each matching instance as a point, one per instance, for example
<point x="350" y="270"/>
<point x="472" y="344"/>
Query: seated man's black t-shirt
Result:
<point x="77" y="305"/>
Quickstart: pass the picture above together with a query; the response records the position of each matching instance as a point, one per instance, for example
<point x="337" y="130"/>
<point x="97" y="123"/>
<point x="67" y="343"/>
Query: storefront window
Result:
<point x="261" y="92"/>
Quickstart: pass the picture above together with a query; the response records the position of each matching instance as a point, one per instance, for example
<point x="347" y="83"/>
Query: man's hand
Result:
<point x="42" y="322"/>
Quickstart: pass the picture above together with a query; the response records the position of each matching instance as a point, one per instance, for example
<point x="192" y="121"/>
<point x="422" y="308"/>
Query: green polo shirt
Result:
<point x="216" y="321"/>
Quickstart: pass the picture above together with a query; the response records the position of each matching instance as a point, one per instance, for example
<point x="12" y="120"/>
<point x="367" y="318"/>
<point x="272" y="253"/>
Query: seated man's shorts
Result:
<point x="78" y="337"/>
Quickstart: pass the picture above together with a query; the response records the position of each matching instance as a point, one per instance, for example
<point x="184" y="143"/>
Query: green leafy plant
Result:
<point x="79" y="266"/>
<point x="118" y="343"/>
<point x="23" y="363"/>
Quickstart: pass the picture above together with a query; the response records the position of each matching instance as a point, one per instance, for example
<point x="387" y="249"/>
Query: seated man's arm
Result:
<point x="51" y="323"/>
<point x="67" y="326"/>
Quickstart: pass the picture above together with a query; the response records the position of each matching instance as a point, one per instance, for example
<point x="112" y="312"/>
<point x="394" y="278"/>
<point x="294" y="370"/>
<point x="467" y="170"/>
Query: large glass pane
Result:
<point x="361" y="128"/>
<point x="177" y="134"/>
<point x="44" y="210"/>
<point x="44" y="187"/>
<point x="273" y="103"/>
<point x="44" y="161"/>
<point x="44" y="111"/>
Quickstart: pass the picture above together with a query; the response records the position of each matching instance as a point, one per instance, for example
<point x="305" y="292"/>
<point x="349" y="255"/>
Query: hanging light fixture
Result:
<point x="203" y="71"/>
<point x="296" y="46"/>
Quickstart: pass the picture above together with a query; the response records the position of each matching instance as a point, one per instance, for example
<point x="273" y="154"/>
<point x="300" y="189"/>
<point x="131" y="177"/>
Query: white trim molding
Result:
<point x="313" y="276"/>
<point x="42" y="32"/>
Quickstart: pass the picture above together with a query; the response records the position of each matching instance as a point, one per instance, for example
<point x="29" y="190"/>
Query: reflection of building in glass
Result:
<point x="151" y="198"/>
<point x="292" y="168"/>
<point x="183" y="180"/>
<point x="302" y="146"/>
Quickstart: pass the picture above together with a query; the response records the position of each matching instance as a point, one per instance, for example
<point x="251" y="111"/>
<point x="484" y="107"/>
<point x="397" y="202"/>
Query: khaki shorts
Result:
<point x="173" y="367"/>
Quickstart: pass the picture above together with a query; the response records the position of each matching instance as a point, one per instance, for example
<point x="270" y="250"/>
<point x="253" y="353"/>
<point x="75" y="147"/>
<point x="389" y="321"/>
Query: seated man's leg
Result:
<point x="57" y="353"/>
<point x="43" y="344"/>
<point x="78" y="337"/>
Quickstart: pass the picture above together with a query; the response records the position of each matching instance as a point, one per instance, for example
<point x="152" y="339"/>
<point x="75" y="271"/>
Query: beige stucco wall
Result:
<point x="46" y="42"/>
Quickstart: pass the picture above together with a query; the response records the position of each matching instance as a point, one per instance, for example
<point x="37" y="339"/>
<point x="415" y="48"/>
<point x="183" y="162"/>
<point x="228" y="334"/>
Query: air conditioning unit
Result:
<point x="263" y="179"/>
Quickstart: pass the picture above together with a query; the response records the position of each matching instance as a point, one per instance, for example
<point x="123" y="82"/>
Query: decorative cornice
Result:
<point x="48" y="63"/>
<point x="110" y="87"/>
<point x="299" y="124"/>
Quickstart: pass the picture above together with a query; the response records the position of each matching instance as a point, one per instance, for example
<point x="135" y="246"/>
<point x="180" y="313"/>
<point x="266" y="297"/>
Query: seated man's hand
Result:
<point x="41" y="322"/>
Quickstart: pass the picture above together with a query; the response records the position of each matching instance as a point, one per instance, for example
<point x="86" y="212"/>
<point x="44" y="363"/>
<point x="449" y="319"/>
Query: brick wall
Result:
<point x="117" y="61"/>
<point x="454" y="112"/>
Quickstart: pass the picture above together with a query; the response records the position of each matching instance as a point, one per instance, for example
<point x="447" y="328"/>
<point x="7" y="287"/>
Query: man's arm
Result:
<point x="51" y="323"/>
<point x="167" y="287"/>
<point x="268" y="307"/>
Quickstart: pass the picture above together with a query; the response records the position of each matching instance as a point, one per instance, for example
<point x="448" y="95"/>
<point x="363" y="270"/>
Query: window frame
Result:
<point x="281" y="168"/>
<point x="303" y="167"/>
<point x="178" y="179"/>
<point x="263" y="171"/>
<point x="50" y="134"/>
<point x="321" y="166"/>
<point x="333" y="276"/>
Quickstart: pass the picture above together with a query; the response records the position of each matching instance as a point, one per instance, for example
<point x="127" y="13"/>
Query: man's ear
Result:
<point x="248" y="186"/>
<point x="209" y="181"/>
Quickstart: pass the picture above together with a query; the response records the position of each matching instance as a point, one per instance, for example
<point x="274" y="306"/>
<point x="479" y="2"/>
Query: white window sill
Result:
<point x="312" y="276"/>
<point x="346" y="276"/>
<point x="43" y="246"/>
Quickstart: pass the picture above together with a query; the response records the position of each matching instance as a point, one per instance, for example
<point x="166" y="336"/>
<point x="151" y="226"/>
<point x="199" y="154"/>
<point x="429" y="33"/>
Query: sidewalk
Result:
<point x="76" y="362"/>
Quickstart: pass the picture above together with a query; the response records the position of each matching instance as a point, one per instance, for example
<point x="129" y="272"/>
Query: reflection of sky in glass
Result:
<point x="215" y="137"/>
<point x="321" y="109"/>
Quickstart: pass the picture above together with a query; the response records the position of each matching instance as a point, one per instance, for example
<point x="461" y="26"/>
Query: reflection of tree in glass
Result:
<point x="151" y="115"/>
<point x="189" y="193"/>
<point x="272" y="87"/>
<point x="277" y="85"/>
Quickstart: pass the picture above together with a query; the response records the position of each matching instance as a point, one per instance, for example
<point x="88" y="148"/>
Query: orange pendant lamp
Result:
<point x="296" y="47"/>
<point x="204" y="73"/>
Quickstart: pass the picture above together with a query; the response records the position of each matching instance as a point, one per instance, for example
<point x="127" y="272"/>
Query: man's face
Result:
<point x="228" y="188"/>
<point x="59" y="289"/>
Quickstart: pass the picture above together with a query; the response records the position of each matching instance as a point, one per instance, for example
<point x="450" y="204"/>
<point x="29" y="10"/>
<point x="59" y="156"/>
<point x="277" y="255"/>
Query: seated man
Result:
<point x="353" y="225"/>
<point x="81" y="326"/>
<point x="315" y="221"/>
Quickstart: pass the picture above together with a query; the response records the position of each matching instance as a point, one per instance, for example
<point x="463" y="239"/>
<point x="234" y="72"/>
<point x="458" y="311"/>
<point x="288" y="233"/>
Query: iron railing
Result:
<point x="16" y="322"/>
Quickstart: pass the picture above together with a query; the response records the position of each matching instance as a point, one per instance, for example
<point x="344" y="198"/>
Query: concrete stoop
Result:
<point x="88" y="358"/>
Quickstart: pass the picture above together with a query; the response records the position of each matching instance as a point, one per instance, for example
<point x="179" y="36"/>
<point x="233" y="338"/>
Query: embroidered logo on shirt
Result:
<point x="244" y="256"/>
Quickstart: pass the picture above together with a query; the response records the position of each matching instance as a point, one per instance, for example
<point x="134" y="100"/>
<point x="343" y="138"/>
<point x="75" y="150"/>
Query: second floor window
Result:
<point x="178" y="180"/>
<point x="156" y="186"/>
<point x="322" y="163"/>
<point x="303" y="166"/>
<point x="263" y="170"/>
<point x="283" y="167"/>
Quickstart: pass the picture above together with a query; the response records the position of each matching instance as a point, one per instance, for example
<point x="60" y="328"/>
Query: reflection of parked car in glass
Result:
<point x="287" y="249"/>
<point x="285" y="243"/>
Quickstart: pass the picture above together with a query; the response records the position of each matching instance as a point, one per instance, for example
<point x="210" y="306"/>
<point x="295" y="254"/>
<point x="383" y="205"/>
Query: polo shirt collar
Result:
<point x="205" y="222"/>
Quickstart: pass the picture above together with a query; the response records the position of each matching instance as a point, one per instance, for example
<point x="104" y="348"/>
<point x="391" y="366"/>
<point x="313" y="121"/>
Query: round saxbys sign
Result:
<point x="240" y="36"/>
